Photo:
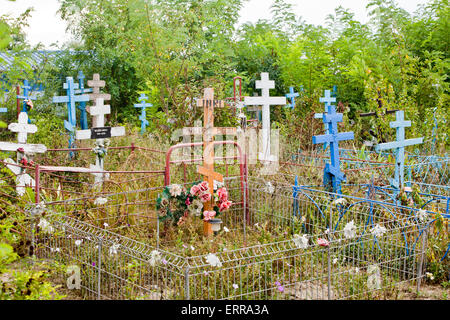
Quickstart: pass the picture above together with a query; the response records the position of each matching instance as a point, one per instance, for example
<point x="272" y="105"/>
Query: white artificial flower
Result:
<point x="350" y="230"/>
<point x="422" y="215"/>
<point x="55" y="250"/>
<point x="213" y="260"/>
<point x="106" y="225"/>
<point x="335" y="260"/>
<point x="195" y="208"/>
<point x="378" y="230"/>
<point x="218" y="184"/>
<point x="235" y="286"/>
<point x="155" y="257"/>
<point x="226" y="229"/>
<point x="100" y="201"/>
<point x="341" y="201"/>
<point x="269" y="188"/>
<point x="301" y="241"/>
<point x="327" y="231"/>
<point x="78" y="242"/>
<point x="113" y="249"/>
<point x="374" y="279"/>
<point x="45" y="226"/>
<point x="192" y="248"/>
<point x="430" y="275"/>
<point x="175" y="190"/>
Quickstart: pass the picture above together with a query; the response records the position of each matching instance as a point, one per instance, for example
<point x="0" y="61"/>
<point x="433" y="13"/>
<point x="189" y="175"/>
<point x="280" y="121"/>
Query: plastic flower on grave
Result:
<point x="213" y="260"/>
<point x="350" y="230"/>
<point x="225" y="206"/>
<point x="45" y="226"/>
<point x="187" y="202"/>
<point x="378" y="230"/>
<point x="155" y="257"/>
<point x="205" y="197"/>
<point x="223" y="194"/>
<point x="204" y="186"/>
<point x="217" y="185"/>
<point x="196" y="207"/>
<point x="226" y="229"/>
<point x="422" y="215"/>
<point x="175" y="190"/>
<point x="208" y="215"/>
<point x="301" y="241"/>
<point x="323" y="242"/>
<point x="23" y="161"/>
<point x="21" y="150"/>
<point x="195" y="190"/>
<point x="113" y="249"/>
<point x="100" y="201"/>
<point x="235" y="286"/>
<point x="341" y="201"/>
<point x="78" y="242"/>
<point x="269" y="188"/>
<point x="374" y="279"/>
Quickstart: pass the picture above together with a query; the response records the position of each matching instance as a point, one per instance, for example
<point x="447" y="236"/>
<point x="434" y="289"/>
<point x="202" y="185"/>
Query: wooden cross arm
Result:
<point x="259" y="101"/>
<point x="397" y="144"/>
<point x="28" y="148"/>
<point x="17" y="127"/>
<point x="210" y="174"/>
<point x="190" y="131"/>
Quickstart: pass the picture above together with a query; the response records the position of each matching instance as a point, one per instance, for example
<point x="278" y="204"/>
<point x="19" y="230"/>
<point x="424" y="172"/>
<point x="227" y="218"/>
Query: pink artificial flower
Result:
<point x="223" y="194"/>
<point x="204" y="197"/>
<point x="224" y="205"/>
<point x="30" y="104"/>
<point x="208" y="215"/>
<point x="204" y="186"/>
<point x="195" y="190"/>
<point x="323" y="242"/>
<point x="21" y="150"/>
<point x="188" y="201"/>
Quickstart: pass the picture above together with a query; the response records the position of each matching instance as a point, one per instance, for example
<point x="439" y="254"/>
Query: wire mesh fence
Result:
<point x="308" y="245"/>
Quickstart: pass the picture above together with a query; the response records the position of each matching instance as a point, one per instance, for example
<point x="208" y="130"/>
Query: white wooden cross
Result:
<point x="98" y="113"/>
<point x="96" y="84"/>
<point x="265" y="100"/>
<point x="22" y="128"/>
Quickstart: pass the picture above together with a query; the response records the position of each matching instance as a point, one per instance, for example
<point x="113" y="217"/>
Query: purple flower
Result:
<point x="277" y="283"/>
<point x="164" y="261"/>
<point x="281" y="288"/>
<point x="93" y="264"/>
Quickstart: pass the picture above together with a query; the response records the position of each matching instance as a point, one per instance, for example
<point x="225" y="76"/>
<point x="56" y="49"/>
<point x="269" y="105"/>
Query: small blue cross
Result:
<point x="295" y="190"/>
<point x="291" y="95"/>
<point x="334" y="92"/>
<point x="328" y="100"/>
<point x="332" y="171"/>
<point x="143" y="105"/>
<point x="399" y="145"/>
<point x="26" y="96"/>
<point x="70" y="100"/>
<point x="82" y="105"/>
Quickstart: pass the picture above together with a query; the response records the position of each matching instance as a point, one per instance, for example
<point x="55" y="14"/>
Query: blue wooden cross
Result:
<point x="399" y="146"/>
<point x="334" y="92"/>
<point x="143" y="105"/>
<point x="26" y="96"/>
<point x="332" y="172"/>
<point x="328" y="100"/>
<point x="291" y="95"/>
<point x="70" y="100"/>
<point x="82" y="105"/>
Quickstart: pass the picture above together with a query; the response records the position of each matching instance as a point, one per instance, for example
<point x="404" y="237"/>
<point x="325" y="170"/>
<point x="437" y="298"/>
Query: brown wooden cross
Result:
<point x="209" y="131"/>
<point x="96" y="84"/>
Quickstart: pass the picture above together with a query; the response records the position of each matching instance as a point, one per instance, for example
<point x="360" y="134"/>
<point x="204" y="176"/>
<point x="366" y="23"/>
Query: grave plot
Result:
<point x="331" y="248"/>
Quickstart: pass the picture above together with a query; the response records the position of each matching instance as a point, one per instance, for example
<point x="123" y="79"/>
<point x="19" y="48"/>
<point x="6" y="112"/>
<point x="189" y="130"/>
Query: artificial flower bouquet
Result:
<point x="176" y="203"/>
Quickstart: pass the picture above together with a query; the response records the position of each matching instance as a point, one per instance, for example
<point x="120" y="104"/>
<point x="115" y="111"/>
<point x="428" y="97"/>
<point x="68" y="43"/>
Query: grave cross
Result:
<point x="143" y="105"/>
<point x="96" y="84"/>
<point x="328" y="100"/>
<point x="266" y="101"/>
<point x="291" y="95"/>
<point x="22" y="148"/>
<point x="70" y="100"/>
<point x="209" y="131"/>
<point x="332" y="171"/>
<point x="399" y="145"/>
<point x="82" y="105"/>
<point x="26" y="96"/>
<point x="99" y="132"/>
